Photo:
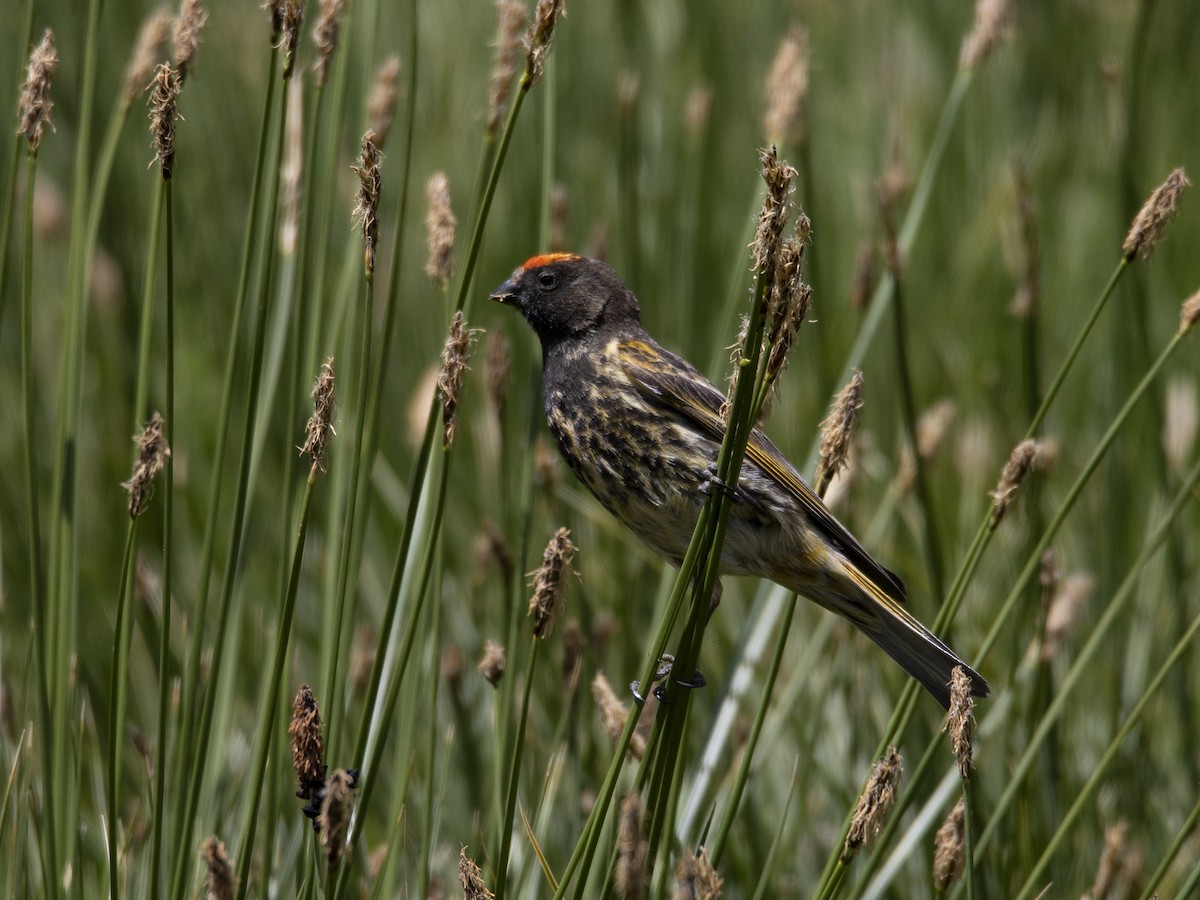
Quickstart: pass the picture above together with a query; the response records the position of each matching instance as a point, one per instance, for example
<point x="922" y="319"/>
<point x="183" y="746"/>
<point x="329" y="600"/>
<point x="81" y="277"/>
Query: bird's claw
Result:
<point x="711" y="482"/>
<point x="665" y="664"/>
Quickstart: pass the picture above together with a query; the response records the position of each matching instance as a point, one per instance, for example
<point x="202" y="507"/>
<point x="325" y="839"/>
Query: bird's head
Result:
<point x="564" y="296"/>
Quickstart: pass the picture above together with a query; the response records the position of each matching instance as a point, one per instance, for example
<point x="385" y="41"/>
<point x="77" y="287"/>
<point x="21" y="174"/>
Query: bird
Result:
<point x="640" y="427"/>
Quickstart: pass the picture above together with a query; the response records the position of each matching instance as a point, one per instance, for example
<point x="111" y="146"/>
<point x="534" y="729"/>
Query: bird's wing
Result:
<point x="678" y="385"/>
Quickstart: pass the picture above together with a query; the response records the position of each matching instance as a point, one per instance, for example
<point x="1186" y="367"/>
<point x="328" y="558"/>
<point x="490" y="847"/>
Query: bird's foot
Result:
<point x="711" y="482"/>
<point x="659" y="680"/>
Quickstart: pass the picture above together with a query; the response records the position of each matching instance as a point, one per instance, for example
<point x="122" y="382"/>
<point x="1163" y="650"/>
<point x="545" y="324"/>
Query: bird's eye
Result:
<point x="548" y="281"/>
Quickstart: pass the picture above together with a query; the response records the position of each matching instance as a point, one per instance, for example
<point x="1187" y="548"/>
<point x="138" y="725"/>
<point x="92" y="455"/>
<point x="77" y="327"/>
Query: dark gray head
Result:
<point x="564" y="296"/>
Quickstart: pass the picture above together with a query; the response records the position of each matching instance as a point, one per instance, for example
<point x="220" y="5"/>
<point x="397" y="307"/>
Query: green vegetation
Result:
<point x="969" y="204"/>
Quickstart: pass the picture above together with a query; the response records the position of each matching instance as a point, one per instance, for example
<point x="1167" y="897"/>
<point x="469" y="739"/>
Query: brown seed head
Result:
<point x="151" y="39"/>
<point x="325" y="37"/>
<point x="960" y="720"/>
<point x="864" y="276"/>
<point x="185" y="39"/>
<point x="837" y="431"/>
<point x="1152" y="220"/>
<point x="470" y="878"/>
<point x="493" y="664"/>
<point x="497" y="364"/>
<point x="164" y="93"/>
<point x="775" y="209"/>
<point x="950" y="848"/>
<point x="381" y="106"/>
<point x="510" y="16"/>
<point x="697" y="108"/>
<point x="871" y="811"/>
<point x="546" y="464"/>
<point x="613" y="715"/>
<point x="362" y="659"/>
<point x="35" y="104"/>
<point x="220" y="881"/>
<point x="1181" y="418"/>
<point x="992" y="24"/>
<point x="308" y="750"/>
<point x="152" y="458"/>
<point x="696" y="879"/>
<point x="1112" y="862"/>
<point x="630" y="875"/>
<point x="291" y="18"/>
<point x="539" y="39"/>
<point x="933" y="425"/>
<point x="1024" y="458"/>
<point x="320" y="423"/>
<point x="549" y="583"/>
<point x="334" y="818"/>
<point x="439" y="227"/>
<point x="789" y="301"/>
<point x="366" y="201"/>
<point x="1189" y="312"/>
<point x="787" y="90"/>
<point x="1069" y="601"/>
<point x="456" y="355"/>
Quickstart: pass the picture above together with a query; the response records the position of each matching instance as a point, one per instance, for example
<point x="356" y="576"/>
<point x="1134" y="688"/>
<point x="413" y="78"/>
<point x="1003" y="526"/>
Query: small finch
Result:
<point x="641" y="427"/>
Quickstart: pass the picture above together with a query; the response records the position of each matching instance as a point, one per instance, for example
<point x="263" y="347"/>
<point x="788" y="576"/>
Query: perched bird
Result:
<point x="641" y="428"/>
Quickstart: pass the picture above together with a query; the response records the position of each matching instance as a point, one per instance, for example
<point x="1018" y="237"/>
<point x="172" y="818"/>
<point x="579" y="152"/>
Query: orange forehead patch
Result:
<point x="544" y="259"/>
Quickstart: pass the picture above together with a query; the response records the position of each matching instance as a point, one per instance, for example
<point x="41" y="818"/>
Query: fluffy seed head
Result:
<point x="837" y="431"/>
<point x="1154" y="216"/>
<point x="151" y="39"/>
<point x="1189" y="313"/>
<point x="152" y="458"/>
<point x="334" y="819"/>
<point x="308" y="750"/>
<point x="1068" y="602"/>
<point x="871" y="811"/>
<point x="320" y="423"/>
<point x="291" y="18"/>
<point x="630" y="875"/>
<point x="697" y="108"/>
<point x="960" y="720"/>
<point x="366" y="201"/>
<point x="1022" y="461"/>
<point x="613" y="715"/>
<point x="787" y="89"/>
<point x="864" y="276"/>
<point x="325" y="36"/>
<point x="220" y="881"/>
<point x="992" y="23"/>
<point x="164" y="94"/>
<point x="493" y="664"/>
<point x="772" y="218"/>
<point x="440" y="225"/>
<point x="1120" y="865"/>
<point x="456" y="355"/>
<point x="497" y="364"/>
<point x="539" y="39"/>
<point x="549" y="583"/>
<point x="950" y="848"/>
<point x="185" y="39"/>
<point x="470" y="878"/>
<point x="1181" y="419"/>
<point x="381" y="105"/>
<point x="696" y="879"/>
<point x="790" y="299"/>
<point x="511" y="22"/>
<point x="35" y="104"/>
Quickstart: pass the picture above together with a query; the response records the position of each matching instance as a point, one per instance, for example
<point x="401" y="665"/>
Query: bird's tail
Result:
<point x="906" y="640"/>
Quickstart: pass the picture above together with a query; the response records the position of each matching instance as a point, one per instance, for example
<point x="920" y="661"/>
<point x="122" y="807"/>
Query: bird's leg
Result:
<point x="665" y="662"/>
<point x="710" y="482"/>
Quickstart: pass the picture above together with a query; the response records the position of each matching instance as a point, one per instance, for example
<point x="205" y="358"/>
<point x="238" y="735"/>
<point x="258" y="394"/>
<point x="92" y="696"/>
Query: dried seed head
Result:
<point x="549" y="583"/>
<point x="320" y="423"/>
<point x="220" y="882"/>
<point x="164" y="93"/>
<point x="493" y="664"/>
<point x="630" y="875"/>
<point x="308" y="750"/>
<point x="381" y="105"/>
<point x="992" y="23"/>
<point x="933" y="425"/>
<point x="788" y="304"/>
<point x="960" y="720"/>
<point x="185" y="38"/>
<point x="1180" y="419"/>
<point x="1189" y="313"/>
<point x="497" y="364"/>
<point x="539" y="39"/>
<point x="152" y="458"/>
<point x="864" y="276"/>
<point x="950" y="848"/>
<point x="1152" y="220"/>
<point x="470" y="878"/>
<point x="334" y="820"/>
<point x="1116" y="861"/>
<point x="787" y="90"/>
<point x="546" y="463"/>
<point x="1024" y="458"/>
<point x="439" y="228"/>
<point x="35" y="104"/>
<point x="613" y="715"/>
<point x="696" y="879"/>
<point x="776" y="206"/>
<point x="366" y="201"/>
<point x="871" y="811"/>
<point x="560" y="207"/>
<point x="510" y="16"/>
<point x="456" y="355"/>
<point x="1029" y="292"/>
<point x="837" y="431"/>
<point x="325" y="37"/>
<point x="697" y="108"/>
<point x="362" y="659"/>
<point x="291" y="18"/>
<point x="151" y="39"/>
<point x="1068" y="602"/>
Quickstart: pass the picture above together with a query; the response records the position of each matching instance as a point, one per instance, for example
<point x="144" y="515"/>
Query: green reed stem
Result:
<point x="514" y="772"/>
<point x="118" y="697"/>
<point x="1182" y="836"/>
